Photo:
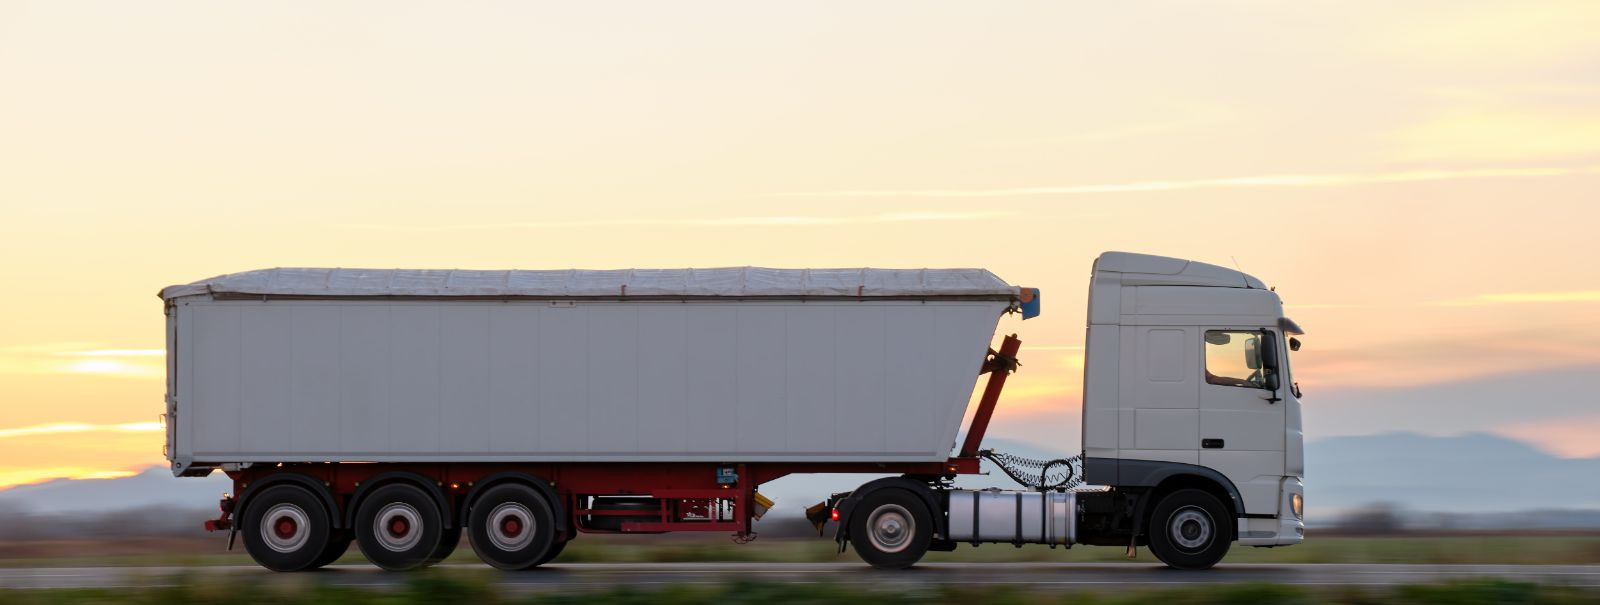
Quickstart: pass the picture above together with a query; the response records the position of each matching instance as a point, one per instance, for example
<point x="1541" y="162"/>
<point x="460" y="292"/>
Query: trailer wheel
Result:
<point x="448" y="541"/>
<point x="891" y="529"/>
<point x="338" y="544"/>
<point x="399" y="527"/>
<point x="553" y="552"/>
<point x="511" y="527"/>
<point x="286" y="528"/>
<point x="1189" y="530"/>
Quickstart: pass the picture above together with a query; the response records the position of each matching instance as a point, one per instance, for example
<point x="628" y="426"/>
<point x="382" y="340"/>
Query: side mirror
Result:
<point x="1269" y="360"/>
<point x="1294" y="344"/>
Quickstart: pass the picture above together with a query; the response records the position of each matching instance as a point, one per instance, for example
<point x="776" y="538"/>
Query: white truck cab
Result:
<point x="1187" y="374"/>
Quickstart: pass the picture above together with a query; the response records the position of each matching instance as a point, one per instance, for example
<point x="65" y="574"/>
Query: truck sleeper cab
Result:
<point x="402" y="410"/>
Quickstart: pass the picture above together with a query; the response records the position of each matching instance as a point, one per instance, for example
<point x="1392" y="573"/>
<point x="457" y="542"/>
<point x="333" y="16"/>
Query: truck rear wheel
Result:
<point x="1189" y="530"/>
<point x="286" y="528"/>
<point x="338" y="544"/>
<point x="511" y="527"/>
<point x="555" y="551"/>
<point x="891" y="529"/>
<point x="448" y="541"/>
<point x="399" y="527"/>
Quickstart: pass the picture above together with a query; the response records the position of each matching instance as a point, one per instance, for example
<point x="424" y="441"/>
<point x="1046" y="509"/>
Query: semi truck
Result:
<point x="401" y="409"/>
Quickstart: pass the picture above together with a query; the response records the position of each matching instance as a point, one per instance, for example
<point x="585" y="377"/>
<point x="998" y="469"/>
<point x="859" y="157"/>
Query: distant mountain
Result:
<point x="1457" y="407"/>
<point x="1471" y="473"/>
<point x="152" y="488"/>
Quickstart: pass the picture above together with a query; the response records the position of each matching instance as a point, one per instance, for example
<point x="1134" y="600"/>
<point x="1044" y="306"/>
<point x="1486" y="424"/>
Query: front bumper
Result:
<point x="1287" y="529"/>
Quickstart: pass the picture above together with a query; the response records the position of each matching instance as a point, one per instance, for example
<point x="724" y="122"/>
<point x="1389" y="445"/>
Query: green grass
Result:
<point x="440" y="588"/>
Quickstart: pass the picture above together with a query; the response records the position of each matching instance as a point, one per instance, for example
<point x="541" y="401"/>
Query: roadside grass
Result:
<point x="1461" y="549"/>
<point x="438" y="589"/>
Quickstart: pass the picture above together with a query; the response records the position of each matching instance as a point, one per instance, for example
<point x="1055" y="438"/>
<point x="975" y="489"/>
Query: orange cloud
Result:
<point x="1275" y="180"/>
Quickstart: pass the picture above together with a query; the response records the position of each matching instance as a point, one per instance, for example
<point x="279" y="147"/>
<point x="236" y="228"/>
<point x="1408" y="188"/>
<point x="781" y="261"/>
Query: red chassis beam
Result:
<point x="678" y="481"/>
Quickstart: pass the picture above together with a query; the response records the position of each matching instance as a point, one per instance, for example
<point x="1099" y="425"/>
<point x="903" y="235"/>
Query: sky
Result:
<point x="1420" y="181"/>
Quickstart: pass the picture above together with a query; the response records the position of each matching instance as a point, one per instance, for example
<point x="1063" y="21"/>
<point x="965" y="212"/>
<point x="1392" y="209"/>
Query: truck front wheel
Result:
<point x="891" y="529"/>
<point x="1188" y="530"/>
<point x="399" y="527"/>
<point x="286" y="528"/>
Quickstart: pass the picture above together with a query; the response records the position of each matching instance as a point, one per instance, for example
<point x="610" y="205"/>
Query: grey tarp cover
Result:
<point x="727" y="281"/>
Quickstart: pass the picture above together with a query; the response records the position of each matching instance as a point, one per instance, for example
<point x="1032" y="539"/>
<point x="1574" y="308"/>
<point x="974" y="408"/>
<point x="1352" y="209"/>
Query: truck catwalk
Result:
<point x="647" y="576"/>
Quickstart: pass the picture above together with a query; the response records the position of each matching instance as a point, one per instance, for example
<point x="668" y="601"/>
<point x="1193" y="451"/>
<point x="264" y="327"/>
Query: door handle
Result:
<point x="1211" y="444"/>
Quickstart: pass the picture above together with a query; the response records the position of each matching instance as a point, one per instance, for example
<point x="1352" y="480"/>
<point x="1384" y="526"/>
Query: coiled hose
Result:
<point x="1036" y="474"/>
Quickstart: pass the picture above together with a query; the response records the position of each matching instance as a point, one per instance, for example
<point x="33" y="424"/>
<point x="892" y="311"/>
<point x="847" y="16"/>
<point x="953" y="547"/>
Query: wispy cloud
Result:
<point x="732" y="221"/>
<point x="115" y="353"/>
<point x="1277" y="180"/>
<point x="24" y="476"/>
<point x="80" y="358"/>
<point x="1571" y="296"/>
<point x="56" y="428"/>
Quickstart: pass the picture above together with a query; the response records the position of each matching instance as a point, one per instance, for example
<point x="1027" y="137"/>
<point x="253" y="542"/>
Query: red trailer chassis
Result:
<point x="690" y="496"/>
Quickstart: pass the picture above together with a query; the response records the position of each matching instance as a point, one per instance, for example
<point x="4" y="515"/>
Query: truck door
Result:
<point x="1241" y="418"/>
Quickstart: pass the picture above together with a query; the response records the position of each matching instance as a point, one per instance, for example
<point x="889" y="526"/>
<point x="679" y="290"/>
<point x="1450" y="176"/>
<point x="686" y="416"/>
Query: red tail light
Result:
<point x="834" y="515"/>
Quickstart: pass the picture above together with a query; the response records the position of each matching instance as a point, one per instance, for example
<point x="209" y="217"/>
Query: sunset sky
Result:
<point x="1420" y="180"/>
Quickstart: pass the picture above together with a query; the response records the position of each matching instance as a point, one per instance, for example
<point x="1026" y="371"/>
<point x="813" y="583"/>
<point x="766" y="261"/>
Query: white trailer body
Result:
<point x="742" y="365"/>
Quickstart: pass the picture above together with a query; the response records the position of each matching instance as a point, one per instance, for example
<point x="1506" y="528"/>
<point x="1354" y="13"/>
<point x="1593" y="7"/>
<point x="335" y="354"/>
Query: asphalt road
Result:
<point x="1043" y="576"/>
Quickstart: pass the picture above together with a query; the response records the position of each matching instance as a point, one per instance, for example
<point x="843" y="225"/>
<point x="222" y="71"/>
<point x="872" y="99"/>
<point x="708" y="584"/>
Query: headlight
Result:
<point x="1298" y="504"/>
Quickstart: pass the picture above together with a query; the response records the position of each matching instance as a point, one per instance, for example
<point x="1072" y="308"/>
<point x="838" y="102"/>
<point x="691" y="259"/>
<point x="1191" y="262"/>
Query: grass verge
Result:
<point x="439" y="589"/>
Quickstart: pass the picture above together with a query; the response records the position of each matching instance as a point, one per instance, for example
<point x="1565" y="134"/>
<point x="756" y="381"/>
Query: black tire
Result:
<point x="338" y="544"/>
<point x="891" y="529"/>
<point x="553" y="552"/>
<point x="286" y="528"/>
<point x="511" y="527"/>
<point x="399" y="527"/>
<point x="447" y="545"/>
<point x="1189" y="529"/>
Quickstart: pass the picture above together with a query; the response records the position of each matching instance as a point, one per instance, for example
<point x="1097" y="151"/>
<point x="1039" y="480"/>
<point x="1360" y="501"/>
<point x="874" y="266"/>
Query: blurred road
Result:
<point x="1062" y="576"/>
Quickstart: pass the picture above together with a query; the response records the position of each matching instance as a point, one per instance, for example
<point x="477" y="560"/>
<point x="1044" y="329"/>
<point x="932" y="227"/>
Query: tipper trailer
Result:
<point x="400" y="408"/>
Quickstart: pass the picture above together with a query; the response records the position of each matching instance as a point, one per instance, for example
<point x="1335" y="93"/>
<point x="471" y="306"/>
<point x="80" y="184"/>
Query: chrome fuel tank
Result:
<point x="1013" y="516"/>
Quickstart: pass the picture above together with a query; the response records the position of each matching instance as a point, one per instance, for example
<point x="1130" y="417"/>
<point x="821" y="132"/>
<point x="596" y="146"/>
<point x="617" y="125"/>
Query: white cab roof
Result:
<point x="727" y="281"/>
<point x="1150" y="270"/>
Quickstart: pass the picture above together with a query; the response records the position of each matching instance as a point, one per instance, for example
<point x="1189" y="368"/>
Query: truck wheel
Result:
<point x="399" y="527"/>
<point x="338" y="544"/>
<point x="511" y="527"/>
<point x="1189" y="530"/>
<point x="286" y="528"/>
<point x="555" y="551"/>
<point x="448" y="541"/>
<point x="891" y="529"/>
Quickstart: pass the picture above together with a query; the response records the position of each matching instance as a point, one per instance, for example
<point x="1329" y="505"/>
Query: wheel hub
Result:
<point x="1191" y="528"/>
<point x="511" y="527"/>
<point x="890" y="528"/>
<point x="285" y="528"/>
<point x="397" y="527"/>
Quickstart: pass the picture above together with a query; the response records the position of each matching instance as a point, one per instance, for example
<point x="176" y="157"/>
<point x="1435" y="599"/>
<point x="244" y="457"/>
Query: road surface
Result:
<point x="1043" y="576"/>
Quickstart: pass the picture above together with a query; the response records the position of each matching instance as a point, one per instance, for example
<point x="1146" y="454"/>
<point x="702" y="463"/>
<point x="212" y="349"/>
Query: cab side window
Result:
<point x="1233" y="358"/>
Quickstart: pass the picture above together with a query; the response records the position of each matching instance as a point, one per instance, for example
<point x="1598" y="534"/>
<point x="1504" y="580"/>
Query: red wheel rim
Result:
<point x="285" y="527"/>
<point x="511" y="527"/>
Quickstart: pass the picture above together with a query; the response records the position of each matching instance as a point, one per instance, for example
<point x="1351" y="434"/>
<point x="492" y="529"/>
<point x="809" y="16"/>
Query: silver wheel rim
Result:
<point x="1191" y="528"/>
<point x="511" y="526"/>
<point x="283" y="517"/>
<point x="398" y="526"/>
<point x="890" y="528"/>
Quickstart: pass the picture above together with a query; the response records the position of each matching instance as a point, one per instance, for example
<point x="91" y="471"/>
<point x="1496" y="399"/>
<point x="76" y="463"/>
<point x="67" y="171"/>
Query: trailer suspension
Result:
<point x="1042" y="475"/>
